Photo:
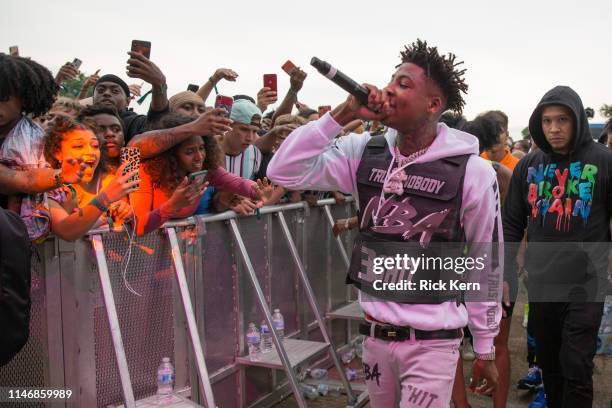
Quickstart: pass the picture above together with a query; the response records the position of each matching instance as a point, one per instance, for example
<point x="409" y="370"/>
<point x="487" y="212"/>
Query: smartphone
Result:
<point x="77" y="63"/>
<point x="324" y="109"/>
<point x="198" y="176"/>
<point x="288" y="67"/>
<point x="224" y="102"/>
<point x="131" y="156"/>
<point x="142" y="47"/>
<point x="270" y="81"/>
<point x="193" y="88"/>
<point x="14" y="51"/>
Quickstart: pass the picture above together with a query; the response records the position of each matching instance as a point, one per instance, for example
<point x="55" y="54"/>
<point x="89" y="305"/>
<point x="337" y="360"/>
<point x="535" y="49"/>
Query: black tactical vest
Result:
<point x="423" y="222"/>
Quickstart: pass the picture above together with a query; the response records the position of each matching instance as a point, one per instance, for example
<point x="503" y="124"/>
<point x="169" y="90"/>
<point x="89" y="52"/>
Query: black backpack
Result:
<point x="15" y="276"/>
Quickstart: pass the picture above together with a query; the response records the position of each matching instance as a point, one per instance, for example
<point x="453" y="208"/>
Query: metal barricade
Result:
<point x="72" y="346"/>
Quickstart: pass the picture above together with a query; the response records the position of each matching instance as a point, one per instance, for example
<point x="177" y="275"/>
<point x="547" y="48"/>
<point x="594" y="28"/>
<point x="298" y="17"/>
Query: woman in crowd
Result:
<point x="165" y="190"/>
<point x="76" y="208"/>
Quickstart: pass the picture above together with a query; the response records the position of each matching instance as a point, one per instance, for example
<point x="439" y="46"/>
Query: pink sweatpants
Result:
<point x="411" y="373"/>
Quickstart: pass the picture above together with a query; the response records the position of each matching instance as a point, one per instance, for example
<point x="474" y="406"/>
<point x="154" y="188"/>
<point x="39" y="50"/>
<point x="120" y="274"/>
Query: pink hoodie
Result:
<point x="311" y="158"/>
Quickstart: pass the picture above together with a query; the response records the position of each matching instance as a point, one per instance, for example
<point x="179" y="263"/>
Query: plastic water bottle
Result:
<point x="165" y="381"/>
<point x="266" y="338"/>
<point x="334" y="390"/>
<point x="318" y="373"/>
<point x="352" y="374"/>
<point x="254" y="342"/>
<point x="348" y="356"/>
<point x="331" y="390"/>
<point x="279" y="324"/>
<point x="309" y="391"/>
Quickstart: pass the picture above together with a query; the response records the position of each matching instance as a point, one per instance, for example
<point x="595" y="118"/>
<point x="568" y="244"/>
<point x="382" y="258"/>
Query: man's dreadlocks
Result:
<point x="28" y="81"/>
<point x="440" y="68"/>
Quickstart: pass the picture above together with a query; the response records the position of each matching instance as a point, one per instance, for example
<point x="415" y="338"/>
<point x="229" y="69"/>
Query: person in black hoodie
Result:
<point x="561" y="194"/>
<point x="110" y="90"/>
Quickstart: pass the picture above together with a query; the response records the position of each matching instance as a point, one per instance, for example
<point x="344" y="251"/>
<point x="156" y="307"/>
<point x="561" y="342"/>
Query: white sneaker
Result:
<point x="467" y="351"/>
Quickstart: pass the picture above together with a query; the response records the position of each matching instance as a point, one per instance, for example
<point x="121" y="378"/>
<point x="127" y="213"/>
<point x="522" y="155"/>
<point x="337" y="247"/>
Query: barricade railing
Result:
<point x="108" y="361"/>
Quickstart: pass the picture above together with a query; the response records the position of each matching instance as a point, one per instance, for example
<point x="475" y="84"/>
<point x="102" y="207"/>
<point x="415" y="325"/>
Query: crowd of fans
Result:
<point x="61" y="167"/>
<point x="61" y="157"/>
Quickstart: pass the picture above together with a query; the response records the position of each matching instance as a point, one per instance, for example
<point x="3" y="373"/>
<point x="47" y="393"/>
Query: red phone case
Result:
<point x="288" y="67"/>
<point x="270" y="81"/>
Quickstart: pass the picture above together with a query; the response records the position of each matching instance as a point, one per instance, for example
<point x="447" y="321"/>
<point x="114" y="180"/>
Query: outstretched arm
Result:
<point x="155" y="142"/>
<point x="296" y="82"/>
<point x="39" y="180"/>
<point x="221" y="73"/>
<point x="310" y="158"/>
<point x="141" y="67"/>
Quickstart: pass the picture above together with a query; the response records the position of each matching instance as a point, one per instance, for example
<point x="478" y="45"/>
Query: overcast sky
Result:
<point x="514" y="50"/>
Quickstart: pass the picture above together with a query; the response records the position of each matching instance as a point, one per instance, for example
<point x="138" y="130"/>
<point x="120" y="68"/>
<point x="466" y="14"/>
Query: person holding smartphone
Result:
<point x="166" y="189"/>
<point x="76" y="208"/>
<point x="111" y="90"/>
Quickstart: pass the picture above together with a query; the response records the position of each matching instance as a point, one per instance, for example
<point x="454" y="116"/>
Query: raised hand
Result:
<point x="89" y="82"/>
<point x="67" y="71"/>
<point x="265" y="97"/>
<point x="224" y="73"/>
<point x="119" y="186"/>
<point x="135" y="90"/>
<point x="72" y="170"/>
<point x="301" y="107"/>
<point x="211" y="123"/>
<point x="297" y="79"/>
<point x="141" y="67"/>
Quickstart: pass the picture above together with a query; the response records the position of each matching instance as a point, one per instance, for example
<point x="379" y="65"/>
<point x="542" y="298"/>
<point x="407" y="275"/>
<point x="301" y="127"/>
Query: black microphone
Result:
<point x="340" y="79"/>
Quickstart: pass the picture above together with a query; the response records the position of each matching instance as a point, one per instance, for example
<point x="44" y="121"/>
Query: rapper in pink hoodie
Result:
<point x="419" y="183"/>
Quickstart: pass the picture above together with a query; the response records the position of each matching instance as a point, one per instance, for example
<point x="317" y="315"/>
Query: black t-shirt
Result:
<point x="134" y="124"/>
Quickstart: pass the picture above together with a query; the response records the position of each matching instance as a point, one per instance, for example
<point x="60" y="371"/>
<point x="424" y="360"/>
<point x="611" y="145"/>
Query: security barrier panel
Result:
<point x="74" y="345"/>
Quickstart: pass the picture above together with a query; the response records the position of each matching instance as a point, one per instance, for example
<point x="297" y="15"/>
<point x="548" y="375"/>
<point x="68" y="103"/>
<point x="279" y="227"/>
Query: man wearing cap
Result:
<point x="112" y="90"/>
<point x="241" y="156"/>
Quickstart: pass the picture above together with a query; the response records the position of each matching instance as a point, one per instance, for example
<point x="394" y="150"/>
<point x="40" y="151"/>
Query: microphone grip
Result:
<point x="341" y="79"/>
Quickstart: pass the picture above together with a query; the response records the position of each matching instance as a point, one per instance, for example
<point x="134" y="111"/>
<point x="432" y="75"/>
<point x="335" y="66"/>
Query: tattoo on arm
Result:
<point x="156" y="142"/>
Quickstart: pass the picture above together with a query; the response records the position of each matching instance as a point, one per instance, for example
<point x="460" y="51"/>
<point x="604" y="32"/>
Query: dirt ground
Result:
<point x="602" y="378"/>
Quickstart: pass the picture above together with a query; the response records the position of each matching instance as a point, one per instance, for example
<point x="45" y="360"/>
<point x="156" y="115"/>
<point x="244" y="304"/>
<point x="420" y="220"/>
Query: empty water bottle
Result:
<point x="352" y="374"/>
<point x="165" y="381"/>
<point x="334" y="390"/>
<point x="309" y="391"/>
<point x="331" y="390"/>
<point x="348" y="356"/>
<point x="266" y="338"/>
<point x="318" y="373"/>
<point x="279" y="324"/>
<point x="254" y="342"/>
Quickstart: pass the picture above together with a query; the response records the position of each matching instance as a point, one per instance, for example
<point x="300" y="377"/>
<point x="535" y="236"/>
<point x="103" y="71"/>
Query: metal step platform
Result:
<point x="298" y="351"/>
<point x="351" y="311"/>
